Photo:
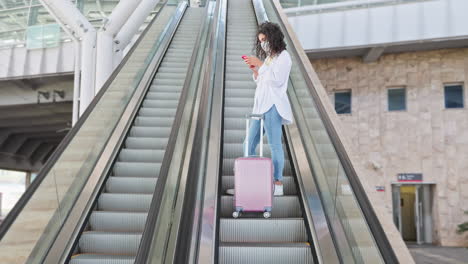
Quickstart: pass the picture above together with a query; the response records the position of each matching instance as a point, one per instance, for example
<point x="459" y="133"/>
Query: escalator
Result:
<point x="325" y="215"/>
<point x="98" y="196"/>
<point x="142" y="178"/>
<point x="252" y="239"/>
<point x="115" y="226"/>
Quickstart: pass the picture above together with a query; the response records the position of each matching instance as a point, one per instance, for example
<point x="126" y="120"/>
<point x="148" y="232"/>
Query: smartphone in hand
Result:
<point x="244" y="57"/>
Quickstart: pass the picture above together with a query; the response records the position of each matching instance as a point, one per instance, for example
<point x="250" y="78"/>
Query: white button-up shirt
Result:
<point x="272" y="83"/>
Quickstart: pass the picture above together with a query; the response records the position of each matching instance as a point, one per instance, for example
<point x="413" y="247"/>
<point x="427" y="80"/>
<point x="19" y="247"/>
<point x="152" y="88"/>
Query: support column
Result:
<point x="88" y="66"/>
<point x="105" y="43"/>
<point x="27" y="180"/>
<point x="78" y="26"/>
<point x="76" y="83"/>
<point x="104" y="59"/>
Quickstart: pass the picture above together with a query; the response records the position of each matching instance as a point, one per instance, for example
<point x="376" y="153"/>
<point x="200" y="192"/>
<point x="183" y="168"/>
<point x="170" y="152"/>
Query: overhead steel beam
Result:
<point x="25" y="110"/>
<point x="29" y="147"/>
<point x="373" y="54"/>
<point x="34" y="121"/>
<point x="5" y="133"/>
<point x="32" y="144"/>
<point x="18" y="164"/>
<point x="130" y="28"/>
<point x="34" y="128"/>
<point x="41" y="152"/>
<point x="16" y="141"/>
<point x="37" y="121"/>
<point x="25" y="84"/>
<point x="13" y="145"/>
<point x="44" y="159"/>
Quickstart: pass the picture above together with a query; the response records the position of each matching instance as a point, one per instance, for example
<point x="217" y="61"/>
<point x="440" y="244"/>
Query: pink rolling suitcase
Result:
<point x="253" y="180"/>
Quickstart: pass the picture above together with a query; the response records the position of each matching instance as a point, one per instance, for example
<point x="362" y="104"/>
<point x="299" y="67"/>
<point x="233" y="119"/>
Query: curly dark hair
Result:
<point x="273" y="35"/>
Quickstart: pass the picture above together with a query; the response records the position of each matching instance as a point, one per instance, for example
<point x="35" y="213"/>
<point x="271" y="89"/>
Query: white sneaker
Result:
<point x="278" y="190"/>
<point x="230" y="191"/>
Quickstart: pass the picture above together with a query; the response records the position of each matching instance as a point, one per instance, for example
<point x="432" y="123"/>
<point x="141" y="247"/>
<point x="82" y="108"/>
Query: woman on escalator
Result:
<point x="271" y="67"/>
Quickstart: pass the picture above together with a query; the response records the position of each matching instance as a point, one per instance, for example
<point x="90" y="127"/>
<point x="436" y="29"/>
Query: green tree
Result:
<point x="463" y="227"/>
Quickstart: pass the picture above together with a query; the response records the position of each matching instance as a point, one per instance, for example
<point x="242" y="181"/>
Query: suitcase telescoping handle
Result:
<point x="247" y="123"/>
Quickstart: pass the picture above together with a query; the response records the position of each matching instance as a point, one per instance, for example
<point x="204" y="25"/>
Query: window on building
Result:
<point x="396" y="99"/>
<point x="343" y="102"/>
<point x="453" y="96"/>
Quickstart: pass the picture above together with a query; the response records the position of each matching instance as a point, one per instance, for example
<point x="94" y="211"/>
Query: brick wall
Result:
<point x="425" y="138"/>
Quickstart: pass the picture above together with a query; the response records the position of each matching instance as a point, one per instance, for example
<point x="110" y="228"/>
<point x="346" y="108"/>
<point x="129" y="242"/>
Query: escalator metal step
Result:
<point x="163" y="112"/>
<point x="101" y="259"/>
<point x="236" y="112"/>
<point x="158" y="84"/>
<point x="159" y="95"/>
<point x="241" y="93"/>
<point x="136" y="169"/>
<point x="110" y="243"/>
<point x="174" y="65"/>
<point x="265" y="253"/>
<point x="117" y="221"/>
<point x="241" y="84"/>
<point x="173" y="70"/>
<point x="141" y="155"/>
<point x="239" y="102"/>
<point x="153" y="121"/>
<point x="283" y="207"/>
<point x="173" y="75"/>
<point x="145" y="142"/>
<point x="161" y="103"/>
<point x="131" y="185"/>
<point x="166" y="85"/>
<point x="140" y="131"/>
<point x="286" y="230"/>
<point x="124" y="202"/>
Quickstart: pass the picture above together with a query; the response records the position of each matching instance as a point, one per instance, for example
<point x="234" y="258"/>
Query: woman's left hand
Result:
<point x="253" y="61"/>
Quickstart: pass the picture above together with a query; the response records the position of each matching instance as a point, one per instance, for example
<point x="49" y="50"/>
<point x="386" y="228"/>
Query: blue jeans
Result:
<point x="273" y="129"/>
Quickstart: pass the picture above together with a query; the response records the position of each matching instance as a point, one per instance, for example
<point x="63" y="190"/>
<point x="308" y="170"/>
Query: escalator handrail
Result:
<point x="143" y="253"/>
<point x="44" y="171"/>
<point x="377" y="231"/>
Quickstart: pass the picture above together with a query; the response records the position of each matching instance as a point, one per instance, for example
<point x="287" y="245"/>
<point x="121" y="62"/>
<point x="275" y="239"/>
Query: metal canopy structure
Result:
<point x="370" y="28"/>
<point x="33" y="41"/>
<point x="30" y="133"/>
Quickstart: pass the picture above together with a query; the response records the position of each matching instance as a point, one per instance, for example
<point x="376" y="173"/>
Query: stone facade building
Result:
<point x="424" y="138"/>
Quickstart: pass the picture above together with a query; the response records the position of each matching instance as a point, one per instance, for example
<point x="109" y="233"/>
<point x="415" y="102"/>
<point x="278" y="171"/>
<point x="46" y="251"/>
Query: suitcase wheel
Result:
<point x="235" y="214"/>
<point x="266" y="214"/>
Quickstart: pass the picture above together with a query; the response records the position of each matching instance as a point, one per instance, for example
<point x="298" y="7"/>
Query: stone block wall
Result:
<point x="426" y="138"/>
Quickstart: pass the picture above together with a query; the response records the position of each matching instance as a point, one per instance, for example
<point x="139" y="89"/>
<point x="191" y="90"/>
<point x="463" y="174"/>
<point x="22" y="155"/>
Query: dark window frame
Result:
<point x="446" y="85"/>
<point x="350" y="101"/>
<point x="405" y="98"/>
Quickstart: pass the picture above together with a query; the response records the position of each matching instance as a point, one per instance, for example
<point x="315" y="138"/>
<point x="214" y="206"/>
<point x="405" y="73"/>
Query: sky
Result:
<point x="12" y="184"/>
